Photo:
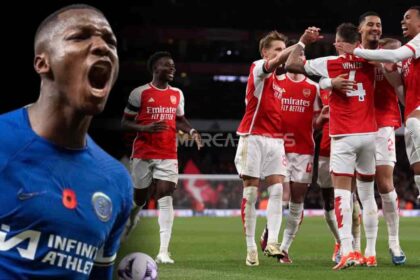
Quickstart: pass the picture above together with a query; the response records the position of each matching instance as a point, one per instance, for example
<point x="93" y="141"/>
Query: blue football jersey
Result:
<point x="61" y="210"/>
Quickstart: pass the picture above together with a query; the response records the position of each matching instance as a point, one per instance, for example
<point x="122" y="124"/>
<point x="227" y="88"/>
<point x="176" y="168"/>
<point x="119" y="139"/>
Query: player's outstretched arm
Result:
<point x="184" y="125"/>
<point x="378" y="55"/>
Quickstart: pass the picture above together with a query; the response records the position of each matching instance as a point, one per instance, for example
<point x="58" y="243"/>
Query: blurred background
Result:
<point x="213" y="44"/>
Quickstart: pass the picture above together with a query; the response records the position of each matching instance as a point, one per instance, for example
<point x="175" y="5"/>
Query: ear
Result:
<point x="264" y="52"/>
<point x="41" y="64"/>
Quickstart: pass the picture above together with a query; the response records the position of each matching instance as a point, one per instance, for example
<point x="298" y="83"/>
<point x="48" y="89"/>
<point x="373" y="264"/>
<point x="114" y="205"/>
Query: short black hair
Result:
<point x="415" y="8"/>
<point x="155" y="57"/>
<point x="348" y="32"/>
<point x="367" y="14"/>
<point x="53" y="17"/>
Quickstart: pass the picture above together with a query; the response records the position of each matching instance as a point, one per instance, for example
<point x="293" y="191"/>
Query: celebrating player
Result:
<point x="352" y="128"/>
<point x="154" y="110"/>
<point x="64" y="200"/>
<point x="260" y="152"/>
<point x="409" y="54"/>
<point x="300" y="104"/>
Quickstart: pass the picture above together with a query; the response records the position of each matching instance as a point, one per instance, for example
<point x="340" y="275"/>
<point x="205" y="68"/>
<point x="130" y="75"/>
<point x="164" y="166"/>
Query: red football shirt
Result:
<point x="353" y="112"/>
<point x="299" y="103"/>
<point x="263" y="103"/>
<point x="149" y="104"/>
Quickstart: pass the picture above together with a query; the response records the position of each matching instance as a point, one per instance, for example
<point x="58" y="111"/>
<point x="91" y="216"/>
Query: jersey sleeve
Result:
<point x="414" y="45"/>
<point x="180" y="109"/>
<point x="317" y="67"/>
<point x="107" y="253"/>
<point x="259" y="70"/>
<point x="325" y="83"/>
<point x="133" y="104"/>
<point x="411" y="49"/>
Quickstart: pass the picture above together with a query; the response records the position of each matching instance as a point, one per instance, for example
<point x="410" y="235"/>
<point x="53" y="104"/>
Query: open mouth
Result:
<point x="99" y="74"/>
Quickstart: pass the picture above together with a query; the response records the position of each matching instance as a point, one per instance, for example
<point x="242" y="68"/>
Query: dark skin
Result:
<point x="65" y="54"/>
<point x="163" y="73"/>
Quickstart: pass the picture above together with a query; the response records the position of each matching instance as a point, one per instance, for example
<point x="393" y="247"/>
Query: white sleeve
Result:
<point x="414" y="44"/>
<point x="325" y="83"/>
<point x="180" y="109"/>
<point x="411" y="49"/>
<point x="133" y="104"/>
<point x="259" y="70"/>
<point x="317" y="66"/>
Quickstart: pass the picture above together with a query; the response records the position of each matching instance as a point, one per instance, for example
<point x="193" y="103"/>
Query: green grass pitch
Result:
<point x="214" y="248"/>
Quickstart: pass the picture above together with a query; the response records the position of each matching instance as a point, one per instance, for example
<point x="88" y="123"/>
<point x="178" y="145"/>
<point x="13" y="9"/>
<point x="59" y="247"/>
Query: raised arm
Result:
<point x="294" y="63"/>
<point x="280" y="59"/>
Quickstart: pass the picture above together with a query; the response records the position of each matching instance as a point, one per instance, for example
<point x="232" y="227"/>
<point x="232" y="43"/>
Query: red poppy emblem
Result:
<point x="69" y="199"/>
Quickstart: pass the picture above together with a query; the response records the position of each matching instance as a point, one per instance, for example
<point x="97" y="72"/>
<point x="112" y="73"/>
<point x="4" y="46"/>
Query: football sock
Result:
<point x="344" y="219"/>
<point x="392" y="218"/>
<point x="292" y="225"/>
<point x="165" y="220"/>
<point x="274" y="212"/>
<point x="370" y="215"/>
<point x="249" y="215"/>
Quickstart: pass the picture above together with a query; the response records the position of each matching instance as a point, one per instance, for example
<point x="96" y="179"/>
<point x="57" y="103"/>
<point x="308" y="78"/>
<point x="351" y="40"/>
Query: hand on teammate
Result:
<point x="325" y="113"/>
<point x="342" y="84"/>
<point x="158" y="126"/>
<point x="345" y="47"/>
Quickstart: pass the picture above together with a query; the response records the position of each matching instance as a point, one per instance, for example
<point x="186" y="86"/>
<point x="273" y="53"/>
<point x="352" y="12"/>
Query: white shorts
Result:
<point x="353" y="153"/>
<point x="143" y="171"/>
<point x="385" y="146"/>
<point x="412" y="144"/>
<point x="324" y="175"/>
<point x="259" y="156"/>
<point x="299" y="168"/>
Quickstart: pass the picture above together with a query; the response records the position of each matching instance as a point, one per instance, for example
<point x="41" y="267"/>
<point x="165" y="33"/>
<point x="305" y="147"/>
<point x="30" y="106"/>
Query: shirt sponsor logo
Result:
<point x="294" y="104"/>
<point x="62" y="252"/>
<point x="161" y="113"/>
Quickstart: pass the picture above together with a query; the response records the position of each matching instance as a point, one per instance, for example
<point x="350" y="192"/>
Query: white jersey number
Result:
<point x="359" y="91"/>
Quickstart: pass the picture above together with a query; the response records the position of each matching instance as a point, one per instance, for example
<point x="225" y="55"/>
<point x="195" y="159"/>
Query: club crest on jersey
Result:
<point x="173" y="99"/>
<point x="102" y="205"/>
<point x="306" y="92"/>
